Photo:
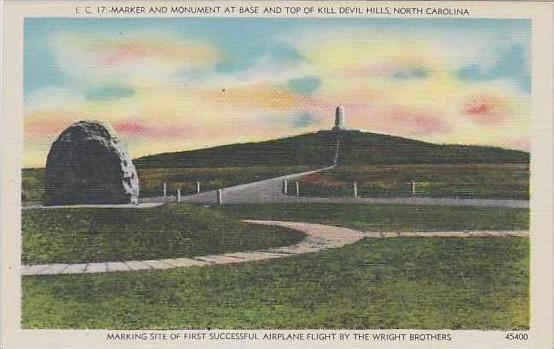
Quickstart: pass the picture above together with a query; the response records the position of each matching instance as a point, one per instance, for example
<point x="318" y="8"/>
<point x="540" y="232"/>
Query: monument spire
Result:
<point x="339" y="118"/>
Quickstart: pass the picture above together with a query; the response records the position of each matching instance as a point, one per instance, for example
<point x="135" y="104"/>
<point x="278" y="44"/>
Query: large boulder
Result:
<point x="88" y="165"/>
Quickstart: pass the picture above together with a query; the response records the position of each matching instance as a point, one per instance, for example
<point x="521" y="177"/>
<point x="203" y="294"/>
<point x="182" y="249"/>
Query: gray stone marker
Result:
<point x="87" y="164"/>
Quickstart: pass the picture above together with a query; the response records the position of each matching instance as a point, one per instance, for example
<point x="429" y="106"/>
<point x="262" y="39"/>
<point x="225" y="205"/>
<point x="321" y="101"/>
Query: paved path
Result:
<point x="449" y="234"/>
<point x="265" y="191"/>
<point x="411" y="201"/>
<point x="140" y="205"/>
<point x="319" y="237"/>
<point x="268" y="193"/>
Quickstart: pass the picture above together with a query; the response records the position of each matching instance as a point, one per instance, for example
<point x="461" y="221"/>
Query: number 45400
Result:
<point x="517" y="336"/>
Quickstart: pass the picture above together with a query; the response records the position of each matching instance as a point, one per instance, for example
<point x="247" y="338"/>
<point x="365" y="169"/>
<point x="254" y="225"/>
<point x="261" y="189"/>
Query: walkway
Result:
<point x="140" y="205"/>
<point x="265" y="191"/>
<point x="319" y="237"/>
<point x="411" y="201"/>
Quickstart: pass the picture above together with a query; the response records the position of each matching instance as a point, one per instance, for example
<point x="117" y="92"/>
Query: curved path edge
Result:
<point x="318" y="237"/>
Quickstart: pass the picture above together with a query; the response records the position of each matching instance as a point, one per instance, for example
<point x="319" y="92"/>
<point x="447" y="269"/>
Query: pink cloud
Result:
<point x="401" y="120"/>
<point x="485" y="110"/>
<point x="124" y="53"/>
<point x="374" y="116"/>
<point x="133" y="128"/>
<point x="46" y="123"/>
<point x="414" y="122"/>
<point x="116" y="52"/>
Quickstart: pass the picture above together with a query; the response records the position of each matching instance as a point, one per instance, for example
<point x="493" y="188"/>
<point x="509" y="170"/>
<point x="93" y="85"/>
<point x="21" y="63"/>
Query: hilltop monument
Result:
<point x="340" y="121"/>
<point x="87" y="164"/>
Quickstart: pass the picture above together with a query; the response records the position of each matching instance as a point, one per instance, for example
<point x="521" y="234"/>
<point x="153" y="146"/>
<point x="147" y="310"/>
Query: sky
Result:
<point x="186" y="83"/>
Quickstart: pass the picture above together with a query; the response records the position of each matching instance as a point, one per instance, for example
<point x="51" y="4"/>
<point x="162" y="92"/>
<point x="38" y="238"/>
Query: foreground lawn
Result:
<point x="417" y="283"/>
<point x="102" y="234"/>
<point x="388" y="217"/>
<point x="491" y="181"/>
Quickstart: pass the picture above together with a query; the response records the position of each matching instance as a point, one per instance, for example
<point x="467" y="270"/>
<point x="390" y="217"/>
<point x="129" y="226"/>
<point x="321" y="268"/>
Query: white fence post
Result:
<point x="285" y="186"/>
<point x="178" y="195"/>
<point x="165" y="190"/>
<point x="197" y="187"/>
<point x="355" y="185"/>
<point x="219" y="197"/>
<point x="412" y="183"/>
<point x="297" y="189"/>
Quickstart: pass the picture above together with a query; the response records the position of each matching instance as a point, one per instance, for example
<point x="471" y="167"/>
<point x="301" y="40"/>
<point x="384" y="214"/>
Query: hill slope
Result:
<point x="318" y="148"/>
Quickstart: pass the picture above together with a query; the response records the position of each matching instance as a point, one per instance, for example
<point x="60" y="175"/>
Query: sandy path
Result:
<point x="319" y="237"/>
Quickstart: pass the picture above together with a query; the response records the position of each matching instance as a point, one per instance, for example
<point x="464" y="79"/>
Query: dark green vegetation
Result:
<point x="419" y="283"/>
<point x="356" y="148"/>
<point x="234" y="164"/>
<point x="499" y="181"/>
<point x="389" y="217"/>
<point x="32" y="185"/>
<point x="101" y="234"/>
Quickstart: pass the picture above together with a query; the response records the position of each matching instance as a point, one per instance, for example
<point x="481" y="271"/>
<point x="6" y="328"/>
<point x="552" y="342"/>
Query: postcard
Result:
<point x="292" y="174"/>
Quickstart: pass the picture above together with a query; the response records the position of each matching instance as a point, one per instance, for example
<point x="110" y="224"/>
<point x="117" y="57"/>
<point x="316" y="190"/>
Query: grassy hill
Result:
<point x="234" y="164"/>
<point x="318" y="148"/>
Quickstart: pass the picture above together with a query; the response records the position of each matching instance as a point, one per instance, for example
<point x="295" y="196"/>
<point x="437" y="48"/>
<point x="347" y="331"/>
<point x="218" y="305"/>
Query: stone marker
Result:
<point x="88" y="165"/>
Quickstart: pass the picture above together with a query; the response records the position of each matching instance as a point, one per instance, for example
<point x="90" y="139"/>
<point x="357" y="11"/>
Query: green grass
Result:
<point x="478" y="283"/>
<point x="318" y="149"/>
<point x="151" y="180"/>
<point x="498" y="181"/>
<point x="32" y="185"/>
<point x="234" y="164"/>
<point x="388" y="217"/>
<point x="417" y="283"/>
<point x="101" y="234"/>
